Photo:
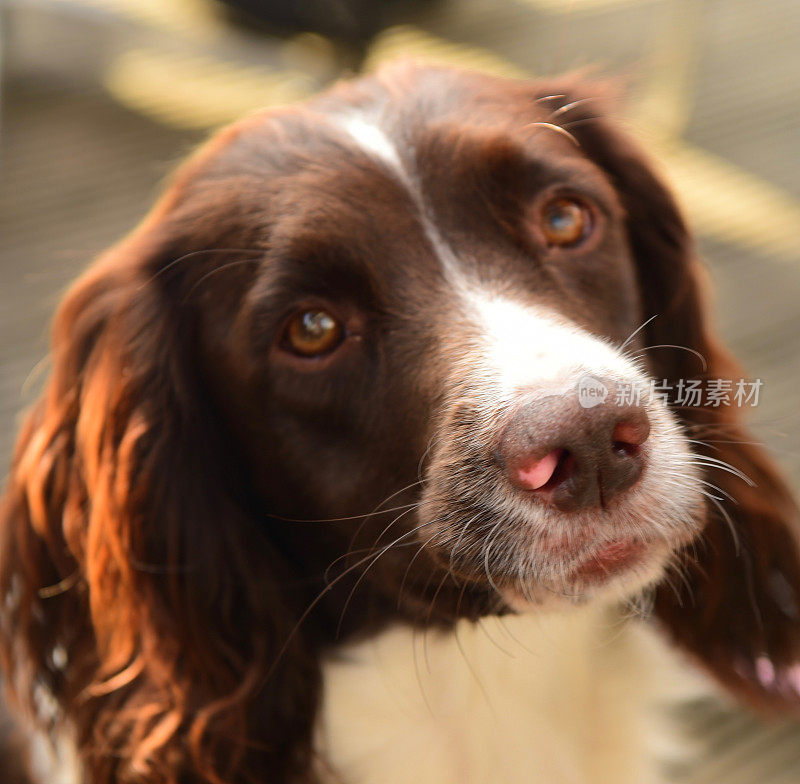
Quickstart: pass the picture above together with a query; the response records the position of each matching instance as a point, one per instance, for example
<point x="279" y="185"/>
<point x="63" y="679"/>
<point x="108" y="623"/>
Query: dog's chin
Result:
<point x="612" y="572"/>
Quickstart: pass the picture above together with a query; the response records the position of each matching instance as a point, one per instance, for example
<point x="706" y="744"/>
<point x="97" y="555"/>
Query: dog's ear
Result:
<point x="735" y="604"/>
<point x="138" y="588"/>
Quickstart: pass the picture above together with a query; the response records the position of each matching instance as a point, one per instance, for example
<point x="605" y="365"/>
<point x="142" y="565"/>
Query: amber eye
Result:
<point x="565" y="221"/>
<point x="313" y="332"/>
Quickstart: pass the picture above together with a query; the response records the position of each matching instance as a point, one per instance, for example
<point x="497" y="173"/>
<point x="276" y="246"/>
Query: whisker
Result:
<point x="557" y="129"/>
<point x="366" y="570"/>
<point x="214" y="271"/>
<point x="710" y="444"/>
<point x="684" y="480"/>
<point x="461" y="597"/>
<point x="396" y="493"/>
<point x="637" y="331"/>
<point x="341" y="519"/>
<point x="712" y="462"/>
<point x="679" y="573"/>
<point x="375" y="542"/>
<point x="378" y="511"/>
<point x="569" y="106"/>
<point x="326" y="590"/>
<point x="582" y="121"/>
<point x="472" y="670"/>
<point x="493" y="641"/>
<point x="700" y="356"/>
<point x="724" y="493"/>
<point x="362" y="550"/>
<point x="731" y="526"/>
<point x="428" y="615"/>
<point x="486" y="557"/>
<point x="501" y="621"/>
<point x="430" y="446"/>
<point x="195" y="253"/>
<point x="418" y="672"/>
<point x="427" y="626"/>
<point x="454" y="548"/>
<point x="420" y="550"/>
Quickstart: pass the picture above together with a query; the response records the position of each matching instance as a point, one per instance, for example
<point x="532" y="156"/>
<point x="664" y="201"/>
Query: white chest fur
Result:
<point x="562" y="698"/>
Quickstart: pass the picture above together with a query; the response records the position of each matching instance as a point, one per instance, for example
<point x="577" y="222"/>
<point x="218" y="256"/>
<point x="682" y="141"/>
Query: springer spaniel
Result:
<point x="337" y="479"/>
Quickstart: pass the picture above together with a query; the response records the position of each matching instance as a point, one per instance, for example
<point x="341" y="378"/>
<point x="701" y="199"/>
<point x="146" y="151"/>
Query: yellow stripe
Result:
<point x="726" y="203"/>
<point x="568" y="7"/>
<point x="411" y="42"/>
<point x="197" y="92"/>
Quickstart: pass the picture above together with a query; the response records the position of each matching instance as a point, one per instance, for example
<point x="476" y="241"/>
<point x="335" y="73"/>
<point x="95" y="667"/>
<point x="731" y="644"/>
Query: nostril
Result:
<point x="567" y="466"/>
<point x="624" y="449"/>
<point x="628" y="436"/>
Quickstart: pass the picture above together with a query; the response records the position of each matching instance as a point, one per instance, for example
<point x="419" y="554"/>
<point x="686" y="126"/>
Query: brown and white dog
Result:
<point x="312" y="493"/>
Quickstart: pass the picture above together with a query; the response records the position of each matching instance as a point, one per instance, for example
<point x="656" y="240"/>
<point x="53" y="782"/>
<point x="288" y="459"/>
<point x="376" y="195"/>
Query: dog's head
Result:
<point x="393" y="348"/>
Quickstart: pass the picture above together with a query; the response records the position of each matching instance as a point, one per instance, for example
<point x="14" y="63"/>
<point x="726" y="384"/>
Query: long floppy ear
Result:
<point x="138" y="589"/>
<point x="735" y="607"/>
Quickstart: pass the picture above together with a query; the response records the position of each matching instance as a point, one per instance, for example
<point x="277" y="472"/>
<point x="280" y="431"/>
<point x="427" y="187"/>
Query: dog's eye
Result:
<point x="313" y="332"/>
<point x="565" y="221"/>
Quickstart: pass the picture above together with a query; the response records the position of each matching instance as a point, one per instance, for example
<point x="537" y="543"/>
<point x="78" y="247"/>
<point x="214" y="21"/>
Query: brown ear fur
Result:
<point x="735" y="606"/>
<point x="131" y="590"/>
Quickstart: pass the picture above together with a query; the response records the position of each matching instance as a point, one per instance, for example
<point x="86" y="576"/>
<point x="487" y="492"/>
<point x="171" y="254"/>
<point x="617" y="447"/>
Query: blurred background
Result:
<point x="100" y="99"/>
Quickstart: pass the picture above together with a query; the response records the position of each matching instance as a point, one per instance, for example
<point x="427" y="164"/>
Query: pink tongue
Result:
<point x="538" y="474"/>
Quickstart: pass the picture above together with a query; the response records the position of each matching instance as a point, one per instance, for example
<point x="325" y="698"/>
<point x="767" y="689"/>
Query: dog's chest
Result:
<point x="554" y="698"/>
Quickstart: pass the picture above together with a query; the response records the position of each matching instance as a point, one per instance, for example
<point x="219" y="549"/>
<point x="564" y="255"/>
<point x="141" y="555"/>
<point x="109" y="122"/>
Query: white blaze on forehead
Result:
<point x="372" y="140"/>
<point x="523" y="345"/>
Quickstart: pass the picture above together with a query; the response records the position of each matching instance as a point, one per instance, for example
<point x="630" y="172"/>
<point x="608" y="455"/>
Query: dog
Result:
<point x="346" y="469"/>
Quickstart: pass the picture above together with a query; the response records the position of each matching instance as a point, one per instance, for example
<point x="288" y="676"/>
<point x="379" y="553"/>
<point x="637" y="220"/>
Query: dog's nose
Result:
<point x="572" y="456"/>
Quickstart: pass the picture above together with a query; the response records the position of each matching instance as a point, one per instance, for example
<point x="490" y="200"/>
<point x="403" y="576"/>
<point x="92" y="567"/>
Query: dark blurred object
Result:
<point x="352" y="20"/>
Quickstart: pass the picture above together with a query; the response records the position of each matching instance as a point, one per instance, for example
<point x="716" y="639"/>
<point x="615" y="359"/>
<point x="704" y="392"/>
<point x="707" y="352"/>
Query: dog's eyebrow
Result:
<point x="500" y="155"/>
<point x="572" y="173"/>
<point x="316" y="271"/>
